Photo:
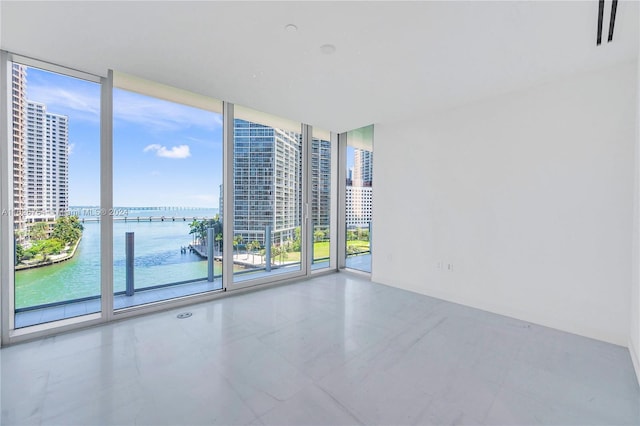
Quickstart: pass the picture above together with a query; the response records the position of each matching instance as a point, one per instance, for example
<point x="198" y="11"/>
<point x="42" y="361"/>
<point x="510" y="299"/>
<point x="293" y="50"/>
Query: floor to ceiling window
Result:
<point x="321" y="196"/>
<point x="55" y="149"/>
<point x="359" y="198"/>
<point x="117" y="198"/>
<point x="268" y="234"/>
<point x="167" y="232"/>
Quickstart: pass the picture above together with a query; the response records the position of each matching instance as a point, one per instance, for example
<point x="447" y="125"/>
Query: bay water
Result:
<point x="158" y="257"/>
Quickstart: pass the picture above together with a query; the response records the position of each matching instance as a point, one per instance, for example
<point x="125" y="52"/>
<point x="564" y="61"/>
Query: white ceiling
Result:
<point x="392" y="59"/>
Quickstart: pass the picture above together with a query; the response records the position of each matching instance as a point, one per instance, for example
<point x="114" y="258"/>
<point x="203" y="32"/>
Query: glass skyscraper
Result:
<point x="267" y="171"/>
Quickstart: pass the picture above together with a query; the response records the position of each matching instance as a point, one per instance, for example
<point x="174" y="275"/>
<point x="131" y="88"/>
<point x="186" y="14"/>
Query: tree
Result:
<point x="253" y="246"/>
<point x="219" y="241"/>
<point x="281" y="251"/>
<point x="45" y="248"/>
<point x="19" y="253"/>
<point x="297" y="240"/>
<point x="318" y="235"/>
<point x="211" y="223"/>
<point x="199" y="229"/>
<point x="284" y="251"/>
<point x="67" y="229"/>
<point x="39" y="231"/>
<point x="363" y="234"/>
<point x="237" y="240"/>
<point x="193" y="229"/>
<point x="275" y="252"/>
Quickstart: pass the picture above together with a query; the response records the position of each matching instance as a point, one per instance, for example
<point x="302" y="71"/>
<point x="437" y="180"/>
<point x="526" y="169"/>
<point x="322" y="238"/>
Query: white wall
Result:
<point x="634" y="337"/>
<point x="528" y="195"/>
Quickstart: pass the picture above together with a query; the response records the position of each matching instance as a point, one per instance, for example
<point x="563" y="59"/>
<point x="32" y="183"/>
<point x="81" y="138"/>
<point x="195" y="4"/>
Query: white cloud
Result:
<point x="83" y="103"/>
<point x="70" y="148"/>
<point x="161" y="115"/>
<point x="78" y="105"/>
<point x="180" y="151"/>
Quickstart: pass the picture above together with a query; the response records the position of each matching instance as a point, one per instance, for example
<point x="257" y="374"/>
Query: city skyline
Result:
<point x="154" y="142"/>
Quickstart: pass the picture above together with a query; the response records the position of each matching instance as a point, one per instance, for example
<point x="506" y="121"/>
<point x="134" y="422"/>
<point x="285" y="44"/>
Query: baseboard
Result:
<point x="635" y="359"/>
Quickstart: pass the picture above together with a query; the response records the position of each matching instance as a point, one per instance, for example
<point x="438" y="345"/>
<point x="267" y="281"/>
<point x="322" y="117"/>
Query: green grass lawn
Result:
<point x="321" y="250"/>
<point x="357" y="246"/>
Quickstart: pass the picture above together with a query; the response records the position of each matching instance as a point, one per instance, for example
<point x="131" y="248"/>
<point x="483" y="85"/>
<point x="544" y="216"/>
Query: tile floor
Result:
<point x="335" y="350"/>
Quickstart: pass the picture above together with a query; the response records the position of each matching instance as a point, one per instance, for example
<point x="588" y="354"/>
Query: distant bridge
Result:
<point x="147" y="219"/>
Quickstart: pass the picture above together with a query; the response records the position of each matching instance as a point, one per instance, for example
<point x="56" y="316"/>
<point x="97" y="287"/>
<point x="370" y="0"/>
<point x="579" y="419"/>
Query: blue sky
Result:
<point x="164" y="154"/>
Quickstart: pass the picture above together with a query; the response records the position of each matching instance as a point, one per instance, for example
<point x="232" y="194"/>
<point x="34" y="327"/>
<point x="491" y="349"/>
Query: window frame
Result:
<point x="10" y="335"/>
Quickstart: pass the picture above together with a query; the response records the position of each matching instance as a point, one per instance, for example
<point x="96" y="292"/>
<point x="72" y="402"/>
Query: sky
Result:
<point x="164" y="153"/>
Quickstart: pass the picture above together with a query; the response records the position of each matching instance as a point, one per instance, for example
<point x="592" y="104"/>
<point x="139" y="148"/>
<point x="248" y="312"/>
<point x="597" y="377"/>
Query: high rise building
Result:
<point x="18" y="107"/>
<point x="320" y="184"/>
<point x="359" y="194"/>
<point x="267" y="170"/>
<point x="362" y="167"/>
<point x="46" y="163"/>
<point x="358" y="206"/>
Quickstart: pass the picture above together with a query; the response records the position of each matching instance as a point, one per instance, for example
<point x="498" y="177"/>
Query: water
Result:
<point x="158" y="259"/>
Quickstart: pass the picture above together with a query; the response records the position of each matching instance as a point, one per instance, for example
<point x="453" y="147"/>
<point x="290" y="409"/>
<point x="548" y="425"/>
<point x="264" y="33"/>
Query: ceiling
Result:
<point x="391" y="59"/>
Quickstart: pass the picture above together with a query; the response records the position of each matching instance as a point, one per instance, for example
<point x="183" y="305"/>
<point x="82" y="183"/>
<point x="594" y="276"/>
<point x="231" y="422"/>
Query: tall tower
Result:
<point x="321" y="183"/>
<point x="57" y="152"/>
<point x="362" y="167"/>
<point x="18" y="101"/>
<point x="359" y="194"/>
<point x="47" y="163"/>
<point x="267" y="175"/>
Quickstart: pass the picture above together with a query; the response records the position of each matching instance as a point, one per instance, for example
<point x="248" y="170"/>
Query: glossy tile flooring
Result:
<point x="74" y="309"/>
<point x="334" y="350"/>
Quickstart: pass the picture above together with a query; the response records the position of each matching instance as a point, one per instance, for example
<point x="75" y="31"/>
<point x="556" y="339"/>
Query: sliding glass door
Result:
<point x="359" y="198"/>
<point x="55" y="185"/>
<point x="167" y="175"/>
<point x="123" y="195"/>
<point x="268" y="185"/>
<point x="322" y="199"/>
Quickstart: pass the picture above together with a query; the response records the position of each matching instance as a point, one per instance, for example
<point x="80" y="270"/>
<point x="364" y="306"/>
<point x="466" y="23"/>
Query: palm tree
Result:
<point x="193" y="229"/>
<point x="275" y="252"/>
<point x="219" y="241"/>
<point x="39" y="231"/>
<point x="255" y="245"/>
<point x="237" y="240"/>
<point x="284" y="251"/>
